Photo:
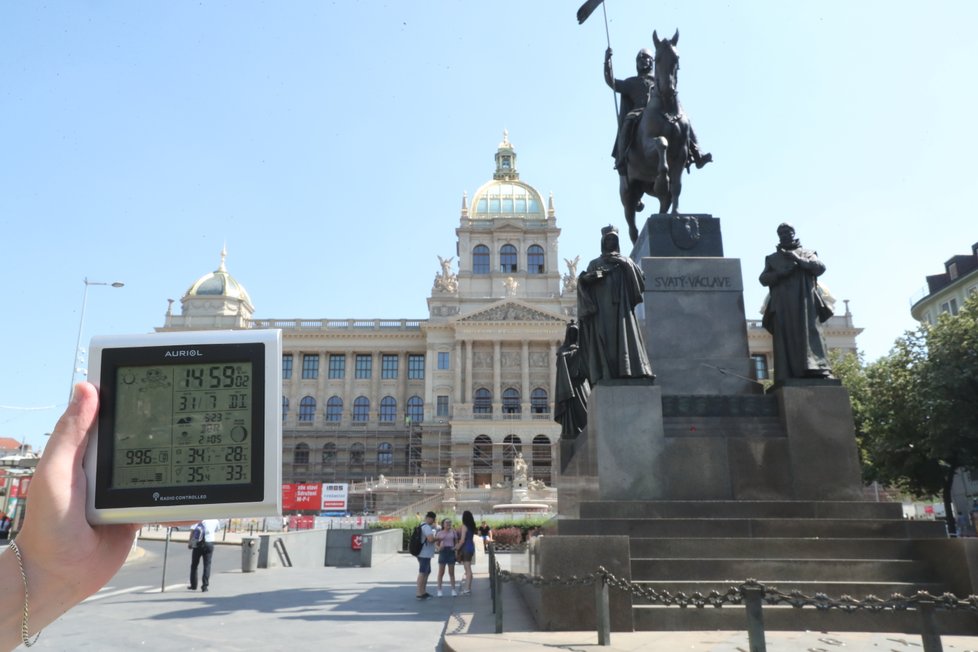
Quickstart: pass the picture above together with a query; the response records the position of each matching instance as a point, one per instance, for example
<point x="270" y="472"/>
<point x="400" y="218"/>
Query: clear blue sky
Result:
<point x="329" y="144"/>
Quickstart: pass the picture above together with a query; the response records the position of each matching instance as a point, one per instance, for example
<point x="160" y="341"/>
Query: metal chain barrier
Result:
<point x="749" y="594"/>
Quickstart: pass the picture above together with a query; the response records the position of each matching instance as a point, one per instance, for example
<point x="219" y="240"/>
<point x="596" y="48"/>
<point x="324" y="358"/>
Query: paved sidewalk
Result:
<point x="351" y="609"/>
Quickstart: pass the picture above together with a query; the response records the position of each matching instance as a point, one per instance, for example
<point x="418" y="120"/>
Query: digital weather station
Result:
<point x="189" y="426"/>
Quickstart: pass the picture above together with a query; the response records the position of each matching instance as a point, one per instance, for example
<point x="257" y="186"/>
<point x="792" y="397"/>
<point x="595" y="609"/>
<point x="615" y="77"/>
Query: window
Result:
<point x="286" y="366"/>
<point x="441" y="406"/>
<point x="945" y="307"/>
<point x="356" y="454"/>
<point x="361" y="408"/>
<point x="388" y="366"/>
<point x="415" y="409"/>
<point x="334" y="408"/>
<point x="385" y="454"/>
<point x="512" y="446"/>
<point x="507" y="259"/>
<point x="388" y="409"/>
<point x="301" y="454"/>
<point x="760" y="366"/>
<point x="538" y="401"/>
<point x="511" y="401"/>
<point x="480" y="260"/>
<point x="364" y="365"/>
<point x="310" y="365"/>
<point x="285" y="408"/>
<point x="307" y="409"/>
<point x="329" y="454"/>
<point x="534" y="260"/>
<point x="954" y="306"/>
<point x="482" y="401"/>
<point x="542" y="458"/>
<point x="337" y="365"/>
<point x="444" y="360"/>
<point x="482" y="455"/>
<point x="415" y="367"/>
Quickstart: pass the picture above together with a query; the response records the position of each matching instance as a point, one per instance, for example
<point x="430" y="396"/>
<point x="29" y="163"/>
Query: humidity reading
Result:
<point x="183" y="425"/>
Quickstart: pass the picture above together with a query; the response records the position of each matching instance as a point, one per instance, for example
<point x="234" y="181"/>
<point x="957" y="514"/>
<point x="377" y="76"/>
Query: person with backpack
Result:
<point x="426" y="532"/>
<point x="201" y="544"/>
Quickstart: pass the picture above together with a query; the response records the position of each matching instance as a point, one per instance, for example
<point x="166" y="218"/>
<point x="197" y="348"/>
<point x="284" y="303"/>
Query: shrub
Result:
<point x="507" y="536"/>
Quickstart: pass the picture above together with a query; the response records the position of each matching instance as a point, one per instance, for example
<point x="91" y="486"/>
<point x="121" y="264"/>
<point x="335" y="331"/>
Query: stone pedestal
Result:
<point x="821" y="442"/>
<point x="695" y="329"/>
<point x="625" y="429"/>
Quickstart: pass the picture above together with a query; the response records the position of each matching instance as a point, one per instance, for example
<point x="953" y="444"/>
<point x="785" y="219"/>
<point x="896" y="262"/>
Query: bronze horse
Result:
<point x="660" y="148"/>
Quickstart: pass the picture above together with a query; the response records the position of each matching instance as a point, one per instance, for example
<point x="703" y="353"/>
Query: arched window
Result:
<point x="480" y="259"/>
<point x="385" y="454"/>
<point x="538" y="401"/>
<point x="511" y="401"/>
<point x="285" y="408"/>
<point x="482" y="401"/>
<point x="388" y="409"/>
<point x="329" y="454"/>
<point x="334" y="409"/>
<point x="361" y="408"/>
<point x="356" y="454"/>
<point x="415" y="409"/>
<point x="534" y="260"/>
<point x="482" y="460"/>
<point x="512" y="445"/>
<point x="542" y="457"/>
<point x="508" y="259"/>
<point x="307" y="408"/>
<point x="301" y="454"/>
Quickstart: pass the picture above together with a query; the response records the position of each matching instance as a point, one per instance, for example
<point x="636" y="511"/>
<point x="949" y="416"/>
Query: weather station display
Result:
<point x="183" y="425"/>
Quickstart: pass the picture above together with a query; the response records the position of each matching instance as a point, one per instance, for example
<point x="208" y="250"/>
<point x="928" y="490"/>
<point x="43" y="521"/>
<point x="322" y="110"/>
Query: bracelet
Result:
<point x="24" y="631"/>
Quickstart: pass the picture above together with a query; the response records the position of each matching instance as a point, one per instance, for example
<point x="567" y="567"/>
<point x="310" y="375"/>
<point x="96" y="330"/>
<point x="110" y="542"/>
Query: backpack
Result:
<point x="416" y="542"/>
<point x="196" y="536"/>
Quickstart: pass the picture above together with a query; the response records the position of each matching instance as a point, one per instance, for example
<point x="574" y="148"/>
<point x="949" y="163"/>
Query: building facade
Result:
<point x="469" y="387"/>
<point x="947" y="291"/>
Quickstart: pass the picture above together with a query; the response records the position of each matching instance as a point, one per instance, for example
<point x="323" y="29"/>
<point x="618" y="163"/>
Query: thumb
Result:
<point x="69" y="436"/>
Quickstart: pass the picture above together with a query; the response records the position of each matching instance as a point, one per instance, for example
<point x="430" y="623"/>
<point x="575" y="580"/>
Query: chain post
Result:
<point x="493" y="572"/>
<point x="499" y="603"/>
<point x="755" y="619"/>
<point x="602" y="607"/>
<point x="929" y="636"/>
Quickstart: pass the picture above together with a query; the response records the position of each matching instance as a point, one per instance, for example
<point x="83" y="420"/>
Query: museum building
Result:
<point x="467" y="388"/>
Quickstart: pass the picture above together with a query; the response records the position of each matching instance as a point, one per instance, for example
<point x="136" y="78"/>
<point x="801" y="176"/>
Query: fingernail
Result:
<point x="75" y="398"/>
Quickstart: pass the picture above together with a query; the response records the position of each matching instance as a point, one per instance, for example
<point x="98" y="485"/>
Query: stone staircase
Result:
<point x="833" y="547"/>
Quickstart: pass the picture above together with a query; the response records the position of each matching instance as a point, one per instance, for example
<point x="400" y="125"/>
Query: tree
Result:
<point x="916" y="410"/>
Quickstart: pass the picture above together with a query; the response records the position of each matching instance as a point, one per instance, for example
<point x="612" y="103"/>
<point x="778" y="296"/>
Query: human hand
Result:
<point x="65" y="558"/>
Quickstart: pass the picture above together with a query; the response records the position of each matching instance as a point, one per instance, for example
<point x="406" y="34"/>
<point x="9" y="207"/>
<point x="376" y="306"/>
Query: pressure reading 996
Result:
<point x="183" y="425"/>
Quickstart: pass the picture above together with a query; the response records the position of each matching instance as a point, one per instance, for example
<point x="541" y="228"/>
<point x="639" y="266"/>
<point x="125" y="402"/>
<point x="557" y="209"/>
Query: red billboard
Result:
<point x="302" y="497"/>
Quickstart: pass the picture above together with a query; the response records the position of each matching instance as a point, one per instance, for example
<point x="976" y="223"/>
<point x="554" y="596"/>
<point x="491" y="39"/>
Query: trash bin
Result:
<point x="249" y="554"/>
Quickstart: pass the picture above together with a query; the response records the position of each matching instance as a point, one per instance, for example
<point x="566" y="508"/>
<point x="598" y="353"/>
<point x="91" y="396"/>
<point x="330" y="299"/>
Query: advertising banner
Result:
<point x="288" y="497"/>
<point x="308" y="496"/>
<point x="335" y="496"/>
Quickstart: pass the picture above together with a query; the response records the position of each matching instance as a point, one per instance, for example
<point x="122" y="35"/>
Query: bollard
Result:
<point x="602" y="609"/>
<point x="249" y="554"/>
<point x="929" y="636"/>
<point x="755" y="620"/>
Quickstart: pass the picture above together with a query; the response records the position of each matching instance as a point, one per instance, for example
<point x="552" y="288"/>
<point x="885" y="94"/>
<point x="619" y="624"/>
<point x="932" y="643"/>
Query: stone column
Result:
<point x="469" y="387"/>
<point x="497" y="399"/>
<point x="553" y="376"/>
<point x="348" y="373"/>
<point x="458" y="371"/>
<point x="525" y="392"/>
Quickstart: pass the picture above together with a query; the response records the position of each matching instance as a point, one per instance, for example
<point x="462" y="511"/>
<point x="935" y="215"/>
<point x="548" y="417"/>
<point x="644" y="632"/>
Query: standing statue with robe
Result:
<point x="572" y="388"/>
<point x="794" y="309"/>
<point x="610" y="335"/>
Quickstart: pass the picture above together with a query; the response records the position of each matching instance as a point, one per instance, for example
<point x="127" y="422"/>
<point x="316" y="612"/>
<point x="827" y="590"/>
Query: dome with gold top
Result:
<point x="505" y="195"/>
<point x="219" y="284"/>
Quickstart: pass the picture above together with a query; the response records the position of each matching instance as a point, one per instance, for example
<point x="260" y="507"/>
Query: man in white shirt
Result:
<point x="202" y="545"/>
<point x="428" y="529"/>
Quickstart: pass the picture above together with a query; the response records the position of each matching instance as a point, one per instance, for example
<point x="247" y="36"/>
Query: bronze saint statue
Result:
<point x="652" y="159"/>
<point x="794" y="309"/>
<point x="634" y="96"/>
<point x="607" y="293"/>
<point x="572" y="387"/>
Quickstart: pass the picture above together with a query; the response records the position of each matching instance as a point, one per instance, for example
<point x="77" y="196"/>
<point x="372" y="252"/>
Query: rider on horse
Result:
<point x="635" y="92"/>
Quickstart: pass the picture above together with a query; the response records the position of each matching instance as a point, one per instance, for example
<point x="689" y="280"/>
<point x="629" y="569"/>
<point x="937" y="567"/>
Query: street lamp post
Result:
<point x="81" y="323"/>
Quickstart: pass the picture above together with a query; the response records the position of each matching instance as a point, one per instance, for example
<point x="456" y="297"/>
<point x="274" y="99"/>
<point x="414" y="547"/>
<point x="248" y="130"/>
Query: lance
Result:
<point x="583" y="13"/>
